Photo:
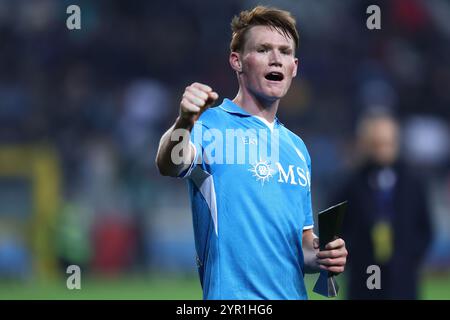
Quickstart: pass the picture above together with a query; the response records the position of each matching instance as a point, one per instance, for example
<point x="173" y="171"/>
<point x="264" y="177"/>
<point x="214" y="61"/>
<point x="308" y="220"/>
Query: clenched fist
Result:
<point x="196" y="99"/>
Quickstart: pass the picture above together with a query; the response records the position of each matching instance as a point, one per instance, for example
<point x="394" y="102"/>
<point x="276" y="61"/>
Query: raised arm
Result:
<point x="172" y="161"/>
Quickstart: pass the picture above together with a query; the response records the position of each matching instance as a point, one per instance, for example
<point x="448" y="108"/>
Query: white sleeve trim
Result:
<point x="205" y="183"/>
<point x="192" y="165"/>
<point x="308" y="227"/>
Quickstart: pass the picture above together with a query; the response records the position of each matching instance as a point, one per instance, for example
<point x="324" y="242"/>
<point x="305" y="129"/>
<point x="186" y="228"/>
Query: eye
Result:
<point x="261" y="50"/>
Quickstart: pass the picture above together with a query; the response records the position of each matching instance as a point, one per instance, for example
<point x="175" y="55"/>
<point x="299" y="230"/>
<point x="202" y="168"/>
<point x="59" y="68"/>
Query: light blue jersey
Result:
<point x="249" y="207"/>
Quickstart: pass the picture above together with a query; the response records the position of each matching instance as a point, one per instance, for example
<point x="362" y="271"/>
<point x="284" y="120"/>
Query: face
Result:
<point x="266" y="64"/>
<point x="381" y="141"/>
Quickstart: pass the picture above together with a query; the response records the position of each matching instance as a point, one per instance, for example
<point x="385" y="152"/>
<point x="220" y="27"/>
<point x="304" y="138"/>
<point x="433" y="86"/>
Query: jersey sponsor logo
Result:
<point x="262" y="171"/>
<point x="293" y="175"/>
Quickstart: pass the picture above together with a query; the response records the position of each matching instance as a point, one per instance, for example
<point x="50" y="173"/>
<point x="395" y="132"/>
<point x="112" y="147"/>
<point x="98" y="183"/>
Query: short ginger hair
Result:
<point x="280" y="20"/>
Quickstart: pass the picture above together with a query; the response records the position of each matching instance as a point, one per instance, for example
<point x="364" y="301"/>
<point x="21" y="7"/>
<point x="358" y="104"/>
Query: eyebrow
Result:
<point x="269" y="46"/>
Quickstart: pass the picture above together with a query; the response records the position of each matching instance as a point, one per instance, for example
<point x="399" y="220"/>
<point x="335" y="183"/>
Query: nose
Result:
<point x="275" y="59"/>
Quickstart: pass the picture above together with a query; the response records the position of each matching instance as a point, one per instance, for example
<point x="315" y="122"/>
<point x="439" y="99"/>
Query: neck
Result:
<point x="266" y="109"/>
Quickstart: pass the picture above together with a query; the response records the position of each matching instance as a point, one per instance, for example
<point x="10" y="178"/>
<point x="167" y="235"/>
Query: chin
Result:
<point x="271" y="94"/>
<point x="276" y="95"/>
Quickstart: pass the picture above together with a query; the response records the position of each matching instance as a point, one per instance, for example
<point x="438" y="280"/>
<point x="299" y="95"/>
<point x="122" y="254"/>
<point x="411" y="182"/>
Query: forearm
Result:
<point x="175" y="153"/>
<point x="309" y="253"/>
<point x="172" y="161"/>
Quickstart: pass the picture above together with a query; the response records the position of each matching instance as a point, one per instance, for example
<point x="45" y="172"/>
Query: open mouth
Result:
<point x="274" y="76"/>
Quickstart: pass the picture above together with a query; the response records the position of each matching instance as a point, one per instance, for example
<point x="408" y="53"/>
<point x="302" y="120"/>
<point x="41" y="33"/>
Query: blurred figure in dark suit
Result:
<point x="388" y="222"/>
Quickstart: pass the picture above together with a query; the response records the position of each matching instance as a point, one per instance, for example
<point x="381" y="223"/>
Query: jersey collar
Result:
<point x="230" y="107"/>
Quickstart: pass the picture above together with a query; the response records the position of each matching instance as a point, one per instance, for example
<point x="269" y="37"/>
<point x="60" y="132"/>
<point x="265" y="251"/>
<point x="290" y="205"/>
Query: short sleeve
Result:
<point x="307" y="205"/>
<point x="196" y="140"/>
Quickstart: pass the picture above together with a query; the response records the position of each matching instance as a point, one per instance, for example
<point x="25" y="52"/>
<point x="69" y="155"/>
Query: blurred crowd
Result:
<point x="102" y="96"/>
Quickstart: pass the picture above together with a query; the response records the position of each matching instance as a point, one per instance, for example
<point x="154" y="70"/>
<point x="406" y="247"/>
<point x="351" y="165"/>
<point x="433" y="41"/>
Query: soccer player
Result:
<point x="252" y="217"/>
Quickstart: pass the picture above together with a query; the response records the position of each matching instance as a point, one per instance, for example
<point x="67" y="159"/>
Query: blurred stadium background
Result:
<point x="82" y="113"/>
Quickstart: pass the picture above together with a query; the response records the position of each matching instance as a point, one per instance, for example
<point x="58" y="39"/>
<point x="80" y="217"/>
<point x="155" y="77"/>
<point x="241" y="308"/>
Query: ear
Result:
<point x="294" y="72"/>
<point x="235" y="61"/>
